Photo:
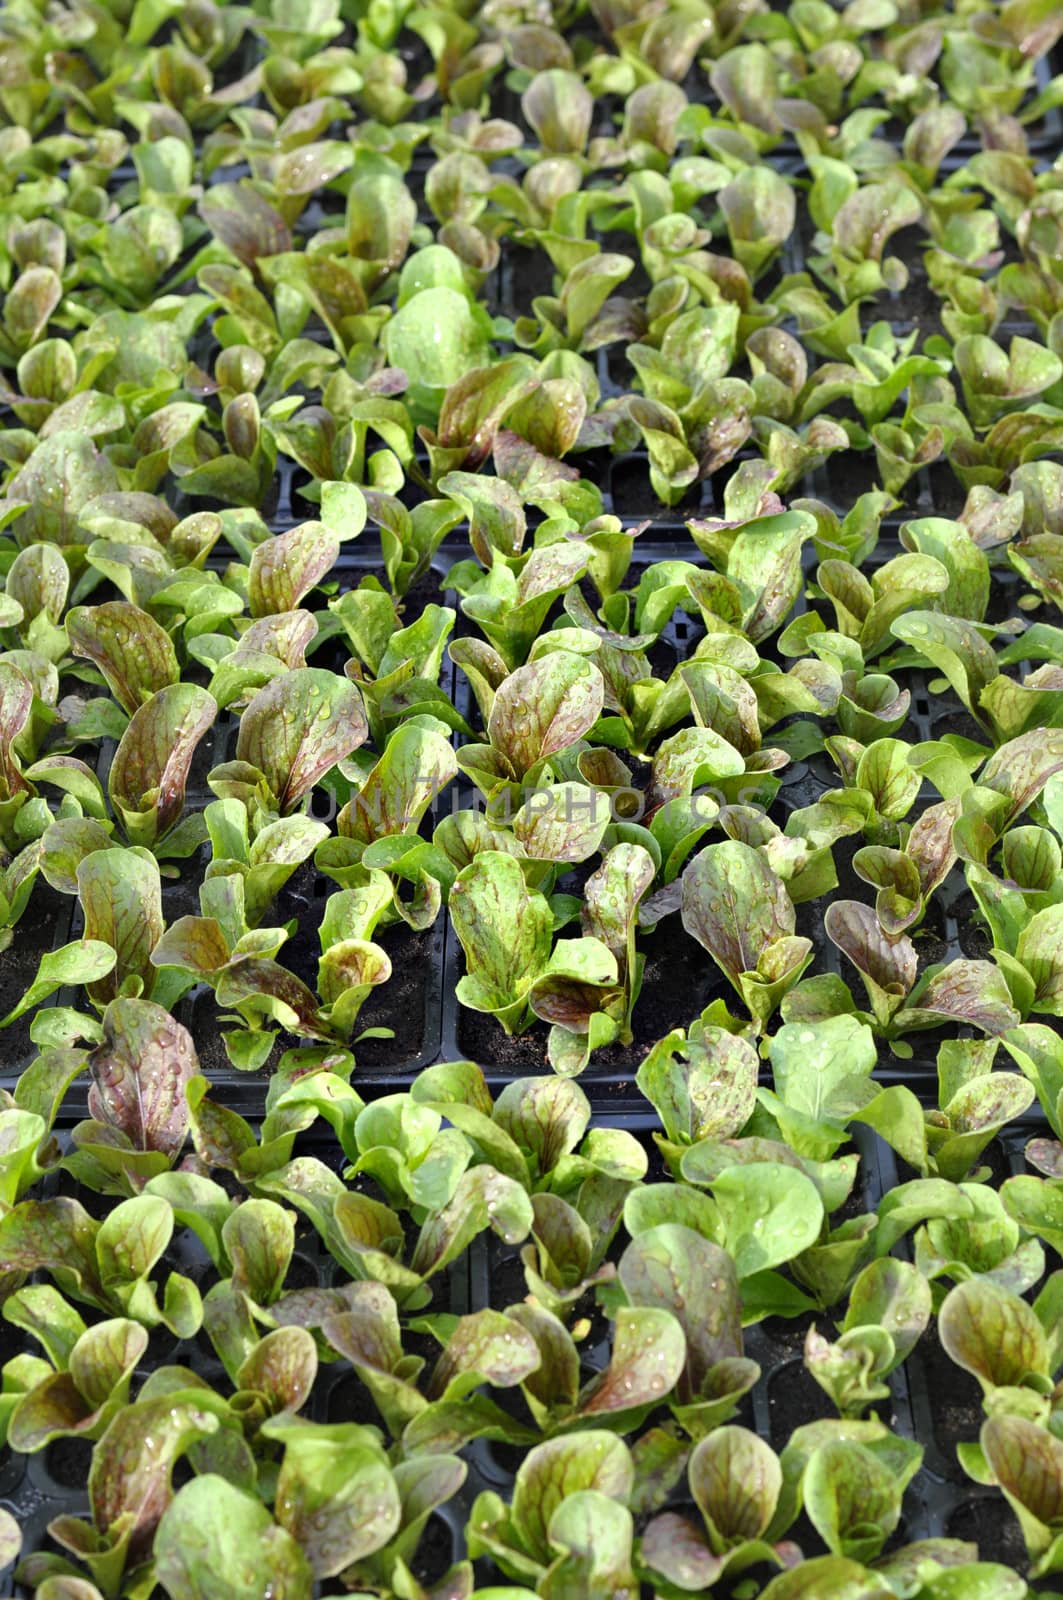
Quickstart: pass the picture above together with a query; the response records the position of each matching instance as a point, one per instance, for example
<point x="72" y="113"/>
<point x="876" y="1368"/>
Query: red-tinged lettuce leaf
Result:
<point x="853" y="1498"/>
<point x="129" y="1480"/>
<point x="216" y="1543"/>
<point x="675" y="1269"/>
<point x="10" y="1540"/>
<point x="1027" y="1462"/>
<point x="1046" y="1155"/>
<point x="281" y="1368"/>
<point x="482" y="1198"/>
<point x="64" y="472"/>
<point x="285" y="635"/>
<point x="288" y="566"/>
<point x="551" y="1388"/>
<point x="121" y="899"/>
<point x="703" y="1085"/>
<point x="736" y="1479"/>
<point x="828" y="1578"/>
<point x="559" y="107"/>
<point x="1021" y="768"/>
<point x="151" y="765"/>
<point x="992" y="1334"/>
<point x="474" y="407"/>
<point x="887" y="966"/>
<point x="1040" y="950"/>
<point x="24" y="1151"/>
<point x="930" y="845"/>
<point x="559" y="1468"/>
<point x="565" y="822"/>
<point x="505" y="932"/>
<point x="545" y="1117"/>
<point x="660" y="1461"/>
<point x="335" y="1492"/>
<point x="16" y="704"/>
<point x="595" y="1535"/>
<point x="132" y="650"/>
<point x="260" y="988"/>
<point x="611" y="899"/>
<point x="65" y="844"/>
<point x="688" y="759"/>
<point x="139" y="1073"/>
<point x="580" y="982"/>
<point x="969" y="992"/>
<point x="196" y="944"/>
<point x="484" y="1347"/>
<point x="298" y="727"/>
<point x="648" y="1355"/>
<point x="416" y="765"/>
<point x="543" y="708"/>
<point x="81" y="961"/>
<point x="259" y="1237"/>
<point x="82" y="1400"/>
<point x="735" y="906"/>
<point x="672" y="1547"/>
<point x="242" y="220"/>
<point x="60" y="1237"/>
<point x="892" y="1295"/>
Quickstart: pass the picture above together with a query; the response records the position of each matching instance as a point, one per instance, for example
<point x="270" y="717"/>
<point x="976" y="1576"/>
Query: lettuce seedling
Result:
<point x="739" y="911"/>
<point x="734" y="1479"/>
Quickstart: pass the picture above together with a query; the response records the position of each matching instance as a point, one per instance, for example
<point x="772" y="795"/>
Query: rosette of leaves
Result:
<point x="105" y="1265"/>
<point x="1004" y="707"/>
<point x="292" y="732"/>
<point x="694" y="417"/>
<point x="365" y="1237"/>
<point x="889" y="1308"/>
<point x="759" y="558"/>
<point x="86" y="1380"/>
<point x="645" y="1359"/>
<point x="510" y="607"/>
<point x="735" y="1480"/>
<point x="739" y="911"/>
<point x="537" y="712"/>
<point x="567" y="1516"/>
<point x="900" y="1000"/>
<point x="516" y="971"/>
<point x="702" y="1082"/>
<point x="377" y="827"/>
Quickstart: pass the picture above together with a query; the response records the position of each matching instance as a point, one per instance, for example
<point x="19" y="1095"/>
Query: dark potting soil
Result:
<point x="960" y="722"/>
<point x="67" y="1462"/>
<point x="43" y="926"/>
<point x="916" y="305"/>
<point x="794" y="1398"/>
<point x="991" y="1524"/>
<point x="850" y="473"/>
<point x="350" y="1401"/>
<point x="975" y="939"/>
<point x="680" y="980"/>
<point x="954" y="1400"/>
<point x="633" y="494"/>
<point x="946" y="493"/>
<point x="398" y="1004"/>
<point x="508" y="1285"/>
<point x="302" y="1274"/>
<point x="930" y="940"/>
<point x="435" y="1551"/>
